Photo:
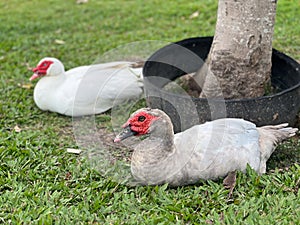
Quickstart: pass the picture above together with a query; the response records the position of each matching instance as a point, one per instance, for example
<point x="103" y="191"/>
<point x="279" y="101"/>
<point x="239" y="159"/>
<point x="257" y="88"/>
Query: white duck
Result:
<point x="85" y="90"/>
<point x="207" y="151"/>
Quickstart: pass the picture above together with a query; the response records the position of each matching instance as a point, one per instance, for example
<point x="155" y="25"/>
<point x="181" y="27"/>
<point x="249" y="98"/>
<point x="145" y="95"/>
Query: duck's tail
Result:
<point x="270" y="136"/>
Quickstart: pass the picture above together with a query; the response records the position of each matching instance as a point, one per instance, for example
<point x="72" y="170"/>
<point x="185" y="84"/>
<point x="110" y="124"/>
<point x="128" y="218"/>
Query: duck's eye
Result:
<point x="141" y="118"/>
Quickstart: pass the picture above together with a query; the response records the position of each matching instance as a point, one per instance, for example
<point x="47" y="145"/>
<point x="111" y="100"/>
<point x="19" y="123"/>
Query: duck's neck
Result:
<point x="153" y="159"/>
<point x="44" y="89"/>
<point x="158" y="145"/>
<point x="53" y="82"/>
<point x="152" y="150"/>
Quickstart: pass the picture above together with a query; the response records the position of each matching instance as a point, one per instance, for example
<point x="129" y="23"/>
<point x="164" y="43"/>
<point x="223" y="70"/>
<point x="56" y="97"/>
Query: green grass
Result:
<point x="42" y="184"/>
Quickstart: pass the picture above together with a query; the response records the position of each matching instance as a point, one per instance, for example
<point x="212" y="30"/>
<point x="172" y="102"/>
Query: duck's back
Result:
<point x="215" y="148"/>
<point x="104" y="86"/>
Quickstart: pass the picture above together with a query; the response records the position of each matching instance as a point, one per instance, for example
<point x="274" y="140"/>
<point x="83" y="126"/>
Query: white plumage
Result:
<point x="85" y="90"/>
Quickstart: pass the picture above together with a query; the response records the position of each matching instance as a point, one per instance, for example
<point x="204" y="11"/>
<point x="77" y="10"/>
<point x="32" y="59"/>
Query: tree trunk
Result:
<point x="239" y="62"/>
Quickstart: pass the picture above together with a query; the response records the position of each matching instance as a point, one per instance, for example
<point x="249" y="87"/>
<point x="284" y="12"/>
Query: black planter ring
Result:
<point x="175" y="60"/>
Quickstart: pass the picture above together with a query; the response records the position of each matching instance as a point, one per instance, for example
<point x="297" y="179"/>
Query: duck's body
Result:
<point x="85" y="90"/>
<point x="206" y="151"/>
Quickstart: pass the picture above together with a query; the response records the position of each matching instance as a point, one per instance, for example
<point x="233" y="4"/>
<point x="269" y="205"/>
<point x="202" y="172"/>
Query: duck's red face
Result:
<point x="41" y="69"/>
<point x="138" y="124"/>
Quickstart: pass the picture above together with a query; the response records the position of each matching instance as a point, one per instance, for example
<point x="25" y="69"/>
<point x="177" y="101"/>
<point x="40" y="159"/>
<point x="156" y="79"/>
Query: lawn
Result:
<point x="40" y="183"/>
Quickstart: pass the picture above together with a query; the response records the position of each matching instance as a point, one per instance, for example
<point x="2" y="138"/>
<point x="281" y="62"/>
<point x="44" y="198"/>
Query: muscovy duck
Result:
<point x="85" y="90"/>
<point x="207" y="151"/>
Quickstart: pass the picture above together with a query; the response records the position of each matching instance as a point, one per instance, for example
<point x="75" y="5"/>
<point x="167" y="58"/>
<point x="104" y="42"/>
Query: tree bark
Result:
<point x="239" y="62"/>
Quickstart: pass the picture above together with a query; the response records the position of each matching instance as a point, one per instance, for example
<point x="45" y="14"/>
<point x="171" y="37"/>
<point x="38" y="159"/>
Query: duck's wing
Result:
<point x="105" y="85"/>
<point x="218" y="147"/>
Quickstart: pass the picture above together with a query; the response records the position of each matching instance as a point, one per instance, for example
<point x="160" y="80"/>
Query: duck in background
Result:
<point x="85" y="90"/>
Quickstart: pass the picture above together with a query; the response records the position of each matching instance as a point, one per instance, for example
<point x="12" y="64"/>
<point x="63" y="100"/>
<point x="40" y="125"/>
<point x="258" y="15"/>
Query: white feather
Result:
<point x="87" y="90"/>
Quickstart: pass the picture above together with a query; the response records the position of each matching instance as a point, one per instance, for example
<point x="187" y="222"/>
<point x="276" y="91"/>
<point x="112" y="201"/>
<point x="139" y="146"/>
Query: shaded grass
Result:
<point x="42" y="184"/>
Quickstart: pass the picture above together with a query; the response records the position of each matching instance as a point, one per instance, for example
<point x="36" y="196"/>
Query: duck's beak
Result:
<point x="34" y="76"/>
<point x="125" y="133"/>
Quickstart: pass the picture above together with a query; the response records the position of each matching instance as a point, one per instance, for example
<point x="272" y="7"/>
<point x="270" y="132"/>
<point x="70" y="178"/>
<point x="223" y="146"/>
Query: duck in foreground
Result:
<point x="207" y="151"/>
<point x="85" y="90"/>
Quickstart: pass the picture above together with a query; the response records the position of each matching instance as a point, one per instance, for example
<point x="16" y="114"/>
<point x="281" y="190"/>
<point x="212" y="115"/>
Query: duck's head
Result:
<point x="48" y="66"/>
<point x="146" y="121"/>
